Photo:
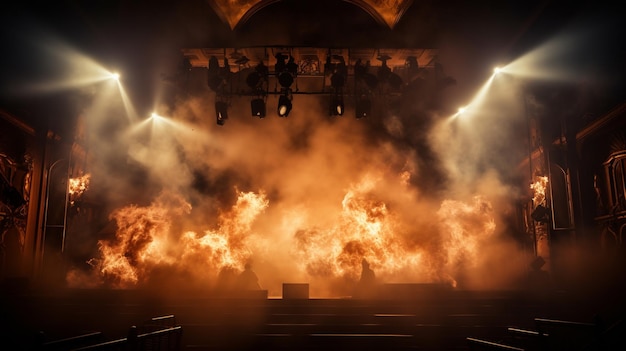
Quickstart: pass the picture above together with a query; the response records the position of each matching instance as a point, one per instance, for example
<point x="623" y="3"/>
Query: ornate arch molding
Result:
<point x="237" y="12"/>
<point x="385" y="12"/>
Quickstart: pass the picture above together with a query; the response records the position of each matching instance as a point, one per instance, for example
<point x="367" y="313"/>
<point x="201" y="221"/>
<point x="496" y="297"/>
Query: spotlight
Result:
<point x="280" y="64"/>
<point x="411" y="63"/>
<point x="339" y="71"/>
<point x="363" y="107"/>
<point x="292" y="66"/>
<point x="284" y="106"/>
<point x="285" y="79"/>
<point x="253" y="79"/>
<point x="371" y="80"/>
<point x="262" y="69"/>
<point x="257" y="106"/>
<point x="336" y="106"/>
<point x="221" y="112"/>
<point x="360" y="69"/>
<point x="497" y="70"/>
<point x="395" y="82"/>
<point x="256" y="78"/>
<point x="214" y="80"/>
<point x="384" y="71"/>
<point x="337" y="80"/>
<point x="115" y="76"/>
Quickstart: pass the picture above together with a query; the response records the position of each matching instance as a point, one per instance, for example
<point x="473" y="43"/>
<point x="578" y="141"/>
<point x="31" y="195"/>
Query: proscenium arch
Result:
<point x="386" y="13"/>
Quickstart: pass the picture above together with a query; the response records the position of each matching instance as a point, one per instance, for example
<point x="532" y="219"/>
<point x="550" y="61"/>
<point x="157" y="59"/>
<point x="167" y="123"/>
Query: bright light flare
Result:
<point x="554" y="60"/>
<point x="73" y="69"/>
<point x="128" y="105"/>
<point x="462" y="110"/>
<point x="480" y="97"/>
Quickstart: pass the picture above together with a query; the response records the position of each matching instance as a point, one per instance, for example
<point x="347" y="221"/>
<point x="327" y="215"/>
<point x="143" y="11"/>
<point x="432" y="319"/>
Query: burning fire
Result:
<point x="145" y="241"/>
<point x="150" y="237"/>
<point x="77" y="186"/>
<point x="539" y="189"/>
<point x="465" y="227"/>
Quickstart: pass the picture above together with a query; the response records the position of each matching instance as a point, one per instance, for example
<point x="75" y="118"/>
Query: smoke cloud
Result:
<point x="304" y="198"/>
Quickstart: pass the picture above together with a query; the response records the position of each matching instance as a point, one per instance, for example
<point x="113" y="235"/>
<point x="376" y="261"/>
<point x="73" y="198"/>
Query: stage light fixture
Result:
<point x="284" y="105"/>
<point x="336" y="106"/>
<point x="395" y="81"/>
<point x="360" y="69"/>
<point x="253" y="79"/>
<point x="371" y="80"/>
<point x="285" y="79"/>
<point x="257" y="106"/>
<point x="363" y="107"/>
<point x="221" y="112"/>
<point x="411" y="63"/>
<point x="280" y="64"/>
<point x="214" y="80"/>
<point x="337" y="80"/>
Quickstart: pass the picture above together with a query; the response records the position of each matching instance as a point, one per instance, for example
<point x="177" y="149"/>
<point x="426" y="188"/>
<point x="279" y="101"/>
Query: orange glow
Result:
<point x="539" y="189"/>
<point x="465" y="227"/>
<point x="141" y="241"/>
<point x="144" y="241"/>
<point x="227" y="246"/>
<point x="365" y="228"/>
<point x="77" y="186"/>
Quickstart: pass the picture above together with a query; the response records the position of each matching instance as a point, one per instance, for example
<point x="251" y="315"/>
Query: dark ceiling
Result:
<point x="146" y="37"/>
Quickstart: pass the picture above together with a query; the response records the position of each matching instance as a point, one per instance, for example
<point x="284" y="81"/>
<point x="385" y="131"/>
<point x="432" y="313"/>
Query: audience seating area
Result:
<point x="419" y="319"/>
<point x="157" y="334"/>
<point x="557" y="335"/>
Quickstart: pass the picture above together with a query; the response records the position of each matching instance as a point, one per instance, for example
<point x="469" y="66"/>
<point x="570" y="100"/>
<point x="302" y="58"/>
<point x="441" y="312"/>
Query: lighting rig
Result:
<point x="353" y="77"/>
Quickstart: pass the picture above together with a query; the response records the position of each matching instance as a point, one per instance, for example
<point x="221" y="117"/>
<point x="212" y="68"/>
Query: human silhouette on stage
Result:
<point x="366" y="287"/>
<point x="248" y="280"/>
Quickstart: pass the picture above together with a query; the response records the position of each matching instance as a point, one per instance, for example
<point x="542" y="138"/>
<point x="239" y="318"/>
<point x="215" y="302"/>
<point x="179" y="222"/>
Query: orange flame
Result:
<point x="539" y="189"/>
<point x="226" y="246"/>
<point x="144" y="240"/>
<point x="367" y="229"/>
<point x="141" y="240"/>
<point x="77" y="186"/>
<point x="364" y="228"/>
<point x="464" y="227"/>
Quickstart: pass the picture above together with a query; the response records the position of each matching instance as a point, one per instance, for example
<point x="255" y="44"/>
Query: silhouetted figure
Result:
<point x="366" y="286"/>
<point x="248" y="280"/>
<point x="368" y="276"/>
<point x="226" y="280"/>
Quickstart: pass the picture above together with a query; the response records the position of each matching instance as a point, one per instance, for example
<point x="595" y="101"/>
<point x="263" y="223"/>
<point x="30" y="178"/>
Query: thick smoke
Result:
<point x="304" y="198"/>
